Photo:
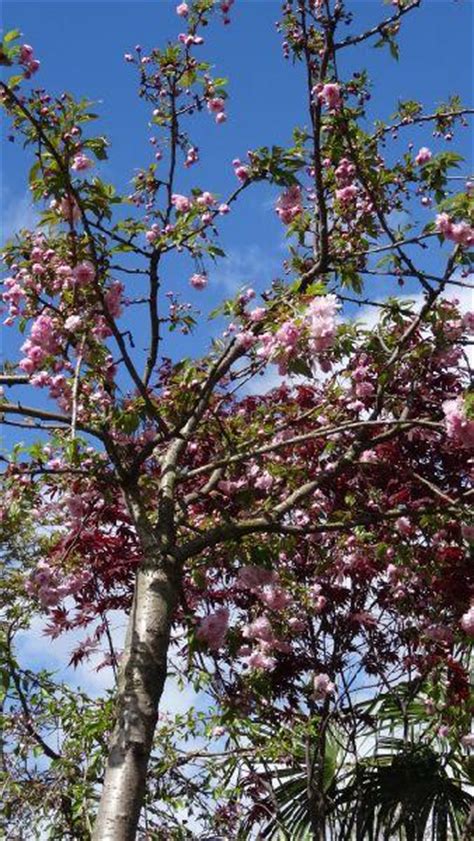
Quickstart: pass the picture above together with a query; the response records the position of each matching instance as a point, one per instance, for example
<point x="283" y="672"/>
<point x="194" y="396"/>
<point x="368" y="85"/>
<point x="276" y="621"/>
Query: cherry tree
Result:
<point x="290" y="550"/>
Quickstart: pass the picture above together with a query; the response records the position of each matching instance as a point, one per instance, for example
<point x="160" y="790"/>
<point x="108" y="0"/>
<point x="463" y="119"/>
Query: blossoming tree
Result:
<point x="296" y="551"/>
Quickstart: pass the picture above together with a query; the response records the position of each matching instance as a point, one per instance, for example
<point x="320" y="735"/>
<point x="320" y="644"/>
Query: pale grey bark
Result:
<point x="142" y="677"/>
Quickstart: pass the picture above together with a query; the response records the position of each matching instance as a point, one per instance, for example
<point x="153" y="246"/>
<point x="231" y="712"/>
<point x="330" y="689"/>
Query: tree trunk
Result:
<point x="140" y="685"/>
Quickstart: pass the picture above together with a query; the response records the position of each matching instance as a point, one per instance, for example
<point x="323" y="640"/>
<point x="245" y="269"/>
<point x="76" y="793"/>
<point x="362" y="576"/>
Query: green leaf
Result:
<point x="12" y="35"/>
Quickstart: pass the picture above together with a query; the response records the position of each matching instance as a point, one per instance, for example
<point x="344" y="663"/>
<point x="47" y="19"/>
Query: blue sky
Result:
<point x="81" y="47"/>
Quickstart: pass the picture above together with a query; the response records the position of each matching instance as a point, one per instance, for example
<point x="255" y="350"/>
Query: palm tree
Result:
<point x="409" y="787"/>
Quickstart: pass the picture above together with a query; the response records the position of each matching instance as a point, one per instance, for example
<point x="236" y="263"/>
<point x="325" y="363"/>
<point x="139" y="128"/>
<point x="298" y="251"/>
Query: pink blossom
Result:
<point x="296" y="625"/>
<point x="323" y="686"/>
<point x="26" y="53"/>
<point x="363" y="390"/>
<point x="467" y="622"/>
<point x="241" y="170"/>
<point x="430" y="707"/>
<point x="323" y="306"/>
<point x="257" y="314"/>
<point x="75" y="505"/>
<point x="346" y="195"/>
<point x="212" y="629"/>
<point x="259" y="629"/>
<point x="188" y="40"/>
<point x="81" y="162"/>
<point x="320" y="319"/>
<point x="251" y="577"/>
<point x="84" y="273"/>
<point x="288" y="206"/>
<point x="221" y="117"/>
<point x="198" y="281"/>
<point x="468" y="321"/>
<point x="443" y="224"/>
<point x="320" y="604"/>
<point x="181" y="203"/>
<point x="369" y="457"/>
<point x="439" y="633"/>
<point x="330" y="95"/>
<point x="26" y="58"/>
<point x="344" y="172"/>
<point x="182" y="10"/>
<point x="403" y="525"/>
<point x="424" y="155"/>
<point x="69" y="209"/>
<point x="246" y="339"/>
<point x="467" y="740"/>
<point x="264" y="482"/>
<point x="113" y="298"/>
<point x="275" y="597"/>
<point x="223" y="209"/>
<point x="152" y="234"/>
<point x="42" y="333"/>
<point x="394" y="573"/>
<point x="259" y="660"/>
<point x="192" y="156"/>
<point x="458" y="426"/>
<point x="460" y="232"/>
<point x="205" y="200"/>
<point x="228" y="487"/>
<point x="73" y="323"/>
<point x="216" y="105"/>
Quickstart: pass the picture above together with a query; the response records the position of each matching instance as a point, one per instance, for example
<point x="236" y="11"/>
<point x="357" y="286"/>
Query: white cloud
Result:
<point x="249" y="266"/>
<point x="35" y="650"/>
<point x="17" y="213"/>
<point x="370" y="315"/>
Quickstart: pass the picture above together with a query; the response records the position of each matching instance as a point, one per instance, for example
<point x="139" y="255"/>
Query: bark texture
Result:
<point x="141" y="681"/>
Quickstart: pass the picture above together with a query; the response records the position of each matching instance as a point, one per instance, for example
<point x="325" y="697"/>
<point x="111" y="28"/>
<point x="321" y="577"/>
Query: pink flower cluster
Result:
<point x="346" y="191"/>
<point x="323" y="686"/>
<point x="424" y="155"/>
<point x="44" y="584"/>
<point x="321" y="322"/>
<point x="67" y="208"/>
<point x="260" y="630"/>
<point x="43" y="341"/>
<point x="242" y="171"/>
<point x="192" y="156"/>
<point x="28" y="60"/>
<point x="81" y="162"/>
<point x="204" y="202"/>
<point x="458" y="232"/>
<point x="14" y="297"/>
<point x="264" y="583"/>
<point x="83" y="274"/>
<point x="198" y="281"/>
<point x="363" y="388"/>
<point x="189" y="40"/>
<point x="458" y="426"/>
<point x="114" y="298"/>
<point x="212" y="629"/>
<point x="330" y="95"/>
<point x="181" y="203"/>
<point x="314" y="330"/>
<point x="467" y="621"/>
<point x="289" y="206"/>
<point x="216" y="105"/>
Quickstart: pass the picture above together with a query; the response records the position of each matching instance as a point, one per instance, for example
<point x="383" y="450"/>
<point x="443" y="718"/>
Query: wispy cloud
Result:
<point x="35" y="650"/>
<point x="17" y="212"/>
<point x="249" y="266"/>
